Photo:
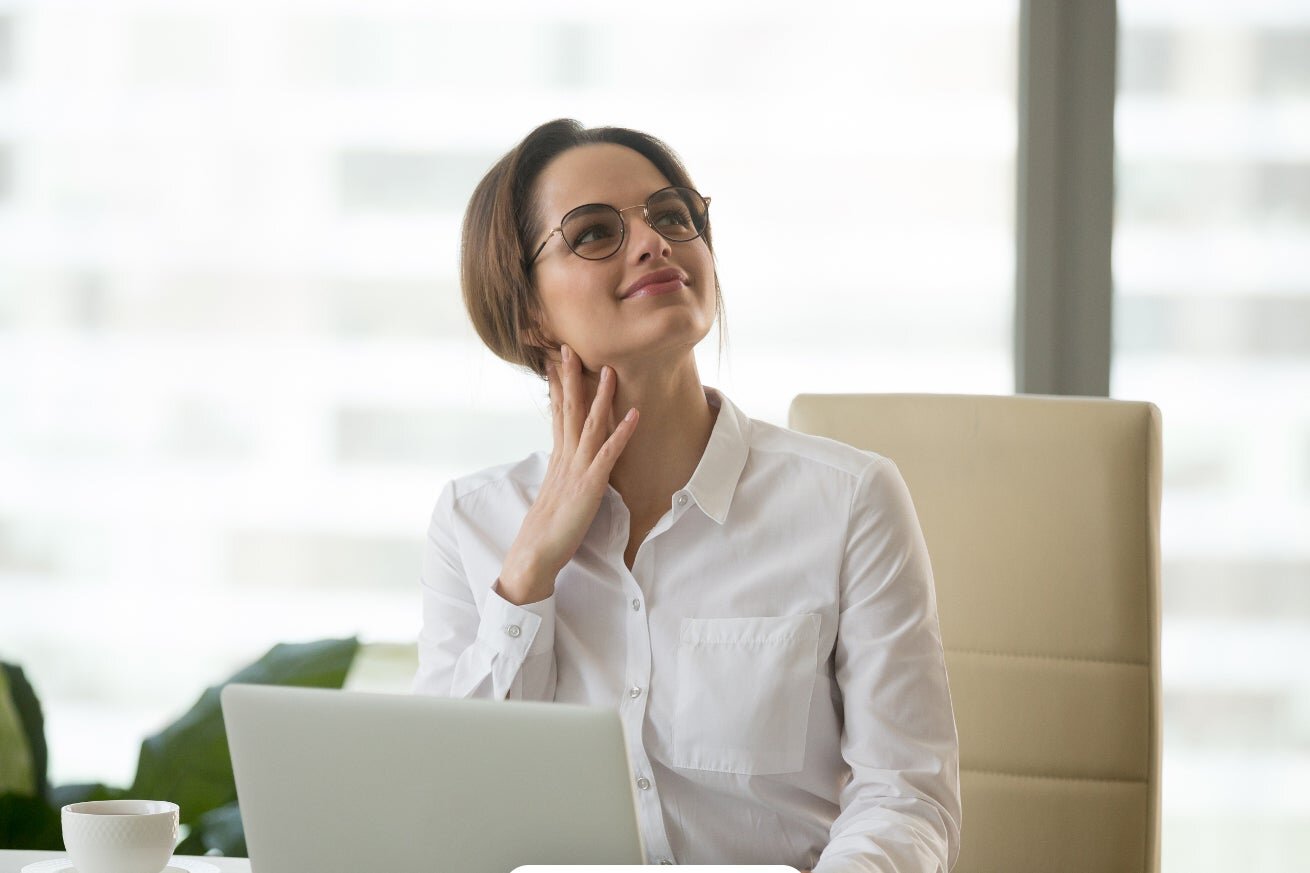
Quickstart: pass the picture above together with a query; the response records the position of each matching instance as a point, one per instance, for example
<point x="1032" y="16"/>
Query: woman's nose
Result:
<point x="643" y="241"/>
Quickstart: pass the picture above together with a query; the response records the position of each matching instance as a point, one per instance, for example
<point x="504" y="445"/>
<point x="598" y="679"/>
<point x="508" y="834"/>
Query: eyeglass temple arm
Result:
<point x="532" y="260"/>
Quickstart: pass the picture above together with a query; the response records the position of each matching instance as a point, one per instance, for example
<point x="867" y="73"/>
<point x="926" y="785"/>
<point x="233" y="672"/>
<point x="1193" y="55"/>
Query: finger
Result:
<point x="556" y="415"/>
<point x="610" y="421"/>
<point x="595" y="429"/>
<point x="603" y="464"/>
<point x="572" y="399"/>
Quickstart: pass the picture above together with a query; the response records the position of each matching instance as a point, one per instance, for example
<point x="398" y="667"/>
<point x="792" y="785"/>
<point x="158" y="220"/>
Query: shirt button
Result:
<point x="636" y="605"/>
<point x="643" y="783"/>
<point x="634" y="692"/>
<point x="513" y="630"/>
<point x="682" y="499"/>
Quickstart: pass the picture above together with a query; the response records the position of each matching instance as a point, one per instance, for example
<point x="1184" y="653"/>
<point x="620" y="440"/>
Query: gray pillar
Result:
<point x="1065" y="209"/>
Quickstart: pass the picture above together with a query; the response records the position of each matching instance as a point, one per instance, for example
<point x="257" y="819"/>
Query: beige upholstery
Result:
<point x="1042" y="521"/>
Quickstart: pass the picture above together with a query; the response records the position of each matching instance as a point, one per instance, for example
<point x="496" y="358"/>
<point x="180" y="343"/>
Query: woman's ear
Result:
<point x="538" y="344"/>
<point x="535" y="338"/>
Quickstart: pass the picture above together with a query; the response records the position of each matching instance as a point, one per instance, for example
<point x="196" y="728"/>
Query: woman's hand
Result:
<point x="586" y="448"/>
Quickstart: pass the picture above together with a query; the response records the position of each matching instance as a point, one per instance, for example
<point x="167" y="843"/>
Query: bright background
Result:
<point x="235" y="370"/>
<point x="1212" y="323"/>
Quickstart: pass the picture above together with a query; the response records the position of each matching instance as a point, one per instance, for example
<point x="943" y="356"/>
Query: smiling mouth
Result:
<point x="653" y="289"/>
<point x="655" y="282"/>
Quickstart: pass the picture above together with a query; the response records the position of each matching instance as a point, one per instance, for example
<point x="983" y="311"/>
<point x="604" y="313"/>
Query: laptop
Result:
<point x="343" y="782"/>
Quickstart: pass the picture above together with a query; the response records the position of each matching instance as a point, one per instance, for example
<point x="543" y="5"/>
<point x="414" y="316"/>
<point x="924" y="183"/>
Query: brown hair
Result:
<point x="502" y="219"/>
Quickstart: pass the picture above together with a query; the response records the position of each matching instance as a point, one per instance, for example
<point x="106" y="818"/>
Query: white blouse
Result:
<point x="773" y="654"/>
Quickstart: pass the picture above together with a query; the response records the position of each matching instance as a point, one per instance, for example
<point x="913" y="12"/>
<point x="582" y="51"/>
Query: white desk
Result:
<point x="11" y="861"/>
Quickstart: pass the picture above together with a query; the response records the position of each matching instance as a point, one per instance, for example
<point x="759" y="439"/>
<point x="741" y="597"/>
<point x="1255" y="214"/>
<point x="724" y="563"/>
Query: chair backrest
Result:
<point x="1041" y="516"/>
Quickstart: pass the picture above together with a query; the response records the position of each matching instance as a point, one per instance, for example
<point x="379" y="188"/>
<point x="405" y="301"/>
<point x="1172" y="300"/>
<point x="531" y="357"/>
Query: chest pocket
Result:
<point x="744" y="687"/>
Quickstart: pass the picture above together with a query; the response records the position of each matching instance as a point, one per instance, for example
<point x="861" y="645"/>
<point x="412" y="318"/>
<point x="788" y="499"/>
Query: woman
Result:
<point x="756" y="603"/>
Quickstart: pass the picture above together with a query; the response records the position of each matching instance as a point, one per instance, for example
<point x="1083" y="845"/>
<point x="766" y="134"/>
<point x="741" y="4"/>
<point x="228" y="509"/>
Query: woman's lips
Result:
<point x="662" y="278"/>
<point x="655" y="288"/>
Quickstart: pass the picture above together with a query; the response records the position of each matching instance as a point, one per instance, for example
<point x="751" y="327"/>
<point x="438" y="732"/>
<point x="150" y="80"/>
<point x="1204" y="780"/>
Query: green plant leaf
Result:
<point x="79" y="792"/>
<point x="29" y="823"/>
<point x="16" y="772"/>
<point x="221" y="829"/>
<point x="29" y="711"/>
<point x="191" y="843"/>
<point x="188" y="761"/>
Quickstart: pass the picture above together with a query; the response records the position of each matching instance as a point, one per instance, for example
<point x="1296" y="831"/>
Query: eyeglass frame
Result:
<point x="623" y="224"/>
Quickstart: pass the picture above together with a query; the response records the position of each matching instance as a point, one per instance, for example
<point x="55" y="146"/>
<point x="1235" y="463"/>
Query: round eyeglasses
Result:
<point x="597" y="230"/>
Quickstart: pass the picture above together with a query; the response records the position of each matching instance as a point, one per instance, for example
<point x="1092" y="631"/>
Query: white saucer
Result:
<point x="175" y="865"/>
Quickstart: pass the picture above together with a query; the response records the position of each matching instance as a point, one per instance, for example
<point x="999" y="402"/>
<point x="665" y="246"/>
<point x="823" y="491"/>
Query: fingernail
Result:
<point x="604" y="372"/>
<point x="565" y="353"/>
<point x="632" y="414"/>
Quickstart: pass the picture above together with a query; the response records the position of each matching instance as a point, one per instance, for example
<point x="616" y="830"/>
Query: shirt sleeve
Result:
<point x="475" y="643"/>
<point x="901" y="809"/>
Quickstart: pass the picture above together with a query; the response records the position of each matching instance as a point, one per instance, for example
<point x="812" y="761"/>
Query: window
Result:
<point x="1212" y="323"/>
<point x="246" y="368"/>
<point x="6" y="173"/>
<point x="6" y="47"/>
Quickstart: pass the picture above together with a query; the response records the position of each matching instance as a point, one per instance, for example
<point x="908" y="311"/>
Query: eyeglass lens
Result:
<point x="595" y="231"/>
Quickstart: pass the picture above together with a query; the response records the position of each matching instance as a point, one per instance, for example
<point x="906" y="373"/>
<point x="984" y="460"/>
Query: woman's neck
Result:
<point x="671" y="435"/>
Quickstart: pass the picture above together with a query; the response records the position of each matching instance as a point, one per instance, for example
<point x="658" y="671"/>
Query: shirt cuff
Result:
<point x="518" y="632"/>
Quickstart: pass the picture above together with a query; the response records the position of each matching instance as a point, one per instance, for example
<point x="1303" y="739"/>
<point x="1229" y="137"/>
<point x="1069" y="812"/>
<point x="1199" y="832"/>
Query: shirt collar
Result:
<point x="714" y="482"/>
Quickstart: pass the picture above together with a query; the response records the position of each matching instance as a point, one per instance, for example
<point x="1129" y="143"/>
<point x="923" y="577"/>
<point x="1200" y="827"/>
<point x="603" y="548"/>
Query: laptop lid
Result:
<point x="339" y="782"/>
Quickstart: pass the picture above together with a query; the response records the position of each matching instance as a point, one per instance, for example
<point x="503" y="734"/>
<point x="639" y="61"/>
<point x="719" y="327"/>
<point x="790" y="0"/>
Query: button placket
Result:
<point x="634" y="697"/>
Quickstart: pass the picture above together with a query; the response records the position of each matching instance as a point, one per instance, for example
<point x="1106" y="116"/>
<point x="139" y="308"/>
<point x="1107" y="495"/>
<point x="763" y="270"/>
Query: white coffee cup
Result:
<point x="120" y="836"/>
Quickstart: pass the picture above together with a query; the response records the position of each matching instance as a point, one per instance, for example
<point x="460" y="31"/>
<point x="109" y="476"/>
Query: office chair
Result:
<point x="1041" y="516"/>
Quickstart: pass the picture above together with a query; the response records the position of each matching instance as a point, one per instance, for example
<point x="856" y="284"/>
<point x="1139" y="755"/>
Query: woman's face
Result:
<point x="583" y="302"/>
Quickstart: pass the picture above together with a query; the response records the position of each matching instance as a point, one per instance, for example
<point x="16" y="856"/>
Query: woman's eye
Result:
<point x="674" y="216"/>
<point x="592" y="234"/>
